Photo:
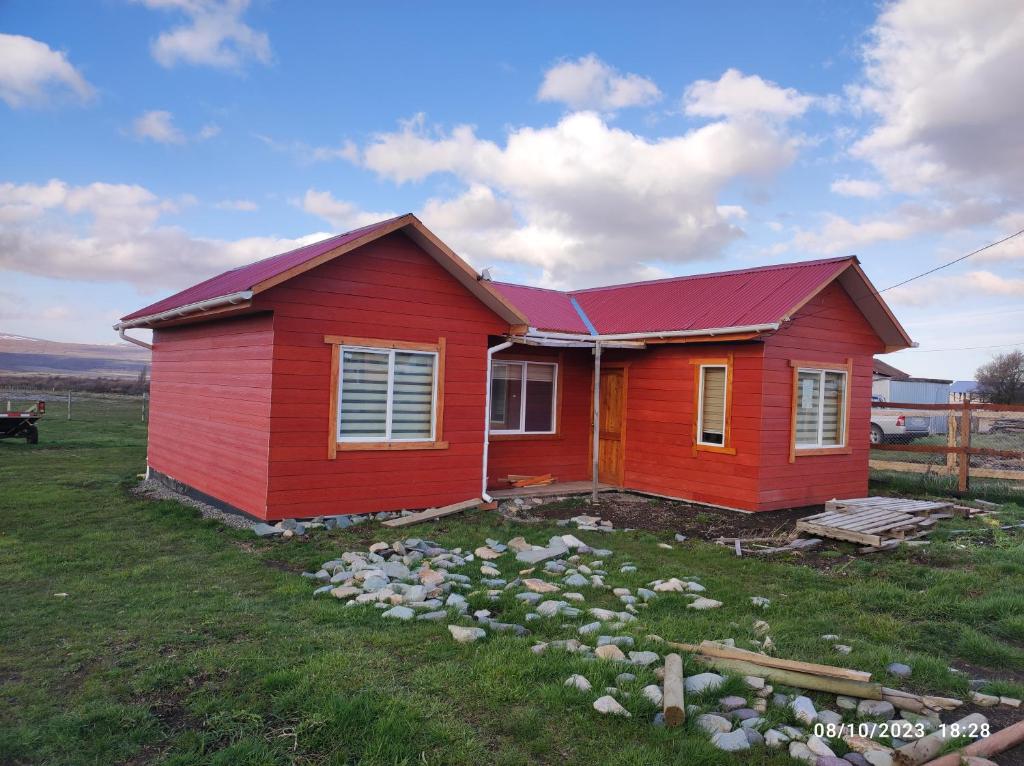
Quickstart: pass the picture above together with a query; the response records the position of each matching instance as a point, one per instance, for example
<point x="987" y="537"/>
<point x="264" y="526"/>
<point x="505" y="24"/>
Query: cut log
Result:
<point x="672" y="695"/>
<point x="929" y="746"/>
<point x="860" y="689"/>
<point x="534" y="481"/>
<point x="711" y="649"/>
<point x="993" y="744"/>
<point x="432" y="513"/>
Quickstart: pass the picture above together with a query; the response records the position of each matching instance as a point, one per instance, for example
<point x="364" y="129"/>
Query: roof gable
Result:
<point x="262" y="275"/>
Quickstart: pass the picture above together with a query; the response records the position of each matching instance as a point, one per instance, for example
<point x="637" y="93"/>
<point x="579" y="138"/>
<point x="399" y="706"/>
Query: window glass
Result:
<point x="833" y="419"/>
<point x="412" y="408"/>
<point x="712" y="405"/>
<point x="540" y="390"/>
<point x="386" y="395"/>
<point x="522" y="397"/>
<point x="808" y="402"/>
<point x="364" y="395"/>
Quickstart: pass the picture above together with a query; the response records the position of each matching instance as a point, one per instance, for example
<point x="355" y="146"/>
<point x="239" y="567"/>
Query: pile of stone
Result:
<point x="290" y="527"/>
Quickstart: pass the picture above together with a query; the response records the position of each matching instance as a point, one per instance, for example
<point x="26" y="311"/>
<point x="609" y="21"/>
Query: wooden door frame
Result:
<point x="624" y="366"/>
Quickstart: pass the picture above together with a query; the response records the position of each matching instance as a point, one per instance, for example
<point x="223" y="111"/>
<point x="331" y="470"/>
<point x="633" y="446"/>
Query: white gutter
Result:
<point x="136" y="341"/>
<point x="190" y="308"/>
<point x="487" y="414"/>
<point x="710" y="332"/>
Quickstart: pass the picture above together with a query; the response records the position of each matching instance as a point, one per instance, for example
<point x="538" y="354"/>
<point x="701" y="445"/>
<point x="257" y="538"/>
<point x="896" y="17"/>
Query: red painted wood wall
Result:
<point x="392" y="290"/>
<point x="830" y="328"/>
<point x="209" y="424"/>
<point x="565" y="454"/>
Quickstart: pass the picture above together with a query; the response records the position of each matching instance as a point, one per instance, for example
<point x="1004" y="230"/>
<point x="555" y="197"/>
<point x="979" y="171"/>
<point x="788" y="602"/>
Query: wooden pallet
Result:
<point x="871" y="521"/>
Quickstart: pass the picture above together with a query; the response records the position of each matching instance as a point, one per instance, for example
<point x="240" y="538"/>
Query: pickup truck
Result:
<point x="893" y="426"/>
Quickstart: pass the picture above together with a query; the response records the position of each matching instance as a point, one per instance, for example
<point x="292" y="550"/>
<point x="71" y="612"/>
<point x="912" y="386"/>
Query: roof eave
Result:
<point x="241" y="299"/>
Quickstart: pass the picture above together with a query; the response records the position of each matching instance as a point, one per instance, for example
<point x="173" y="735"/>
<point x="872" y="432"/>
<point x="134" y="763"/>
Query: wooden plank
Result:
<point x="433" y="513"/>
<point x="831" y="684"/>
<point x="839" y="534"/>
<point x="714" y="649"/>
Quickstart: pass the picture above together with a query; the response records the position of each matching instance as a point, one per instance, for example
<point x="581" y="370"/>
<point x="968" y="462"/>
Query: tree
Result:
<point x="1001" y="381"/>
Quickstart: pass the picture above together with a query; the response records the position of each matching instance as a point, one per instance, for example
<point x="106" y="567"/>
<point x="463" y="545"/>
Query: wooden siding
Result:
<point x="565" y="453"/>
<point x="828" y="329"/>
<point x="389" y="289"/>
<point x="209" y="424"/>
<point x="660" y="413"/>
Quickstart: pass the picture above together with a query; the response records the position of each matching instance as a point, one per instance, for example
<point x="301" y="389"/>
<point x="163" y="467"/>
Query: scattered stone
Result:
<point x="619" y="641"/>
<point x="590" y="627"/>
<point x="704" y="603"/>
<point x="576" y="581"/>
<point x="731" y="703"/>
<point x="345" y="591"/>
<point x="803" y="710"/>
<point x="610" y="652"/>
<point x="713" y="724"/>
<point x="842" y="648"/>
<point x="610" y="706"/>
<point x="876" y="709"/>
<point x="775" y="738"/>
<point x="830" y="760"/>
<point x="266" y="530"/>
<point x="830" y="637"/>
<point x="540" y="586"/>
<point x="433" y="616"/>
<point x="829" y="717"/>
<point x="754" y="737"/>
<point x="800" y="752"/>
<point x="627" y="569"/>
<point x="847" y="703"/>
<point x="665" y="546"/>
<point x="578" y="682"/>
<point x="574" y="596"/>
<point x="399" y="613"/>
<point x="856" y="759"/>
<point x="900" y="670"/>
<point x="604" y="615"/>
<point x="653" y="693"/>
<point x="818" y="746"/>
<point x="732" y="741"/>
<point x="466" y="635"/>
<point x="489" y="571"/>
<point x="701" y="681"/>
<point x="760" y="601"/>
<point x="643" y="658"/>
<point x="680" y="538"/>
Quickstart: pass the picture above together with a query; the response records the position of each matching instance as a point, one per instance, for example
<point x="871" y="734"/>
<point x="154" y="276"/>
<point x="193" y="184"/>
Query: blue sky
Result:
<point x="149" y="144"/>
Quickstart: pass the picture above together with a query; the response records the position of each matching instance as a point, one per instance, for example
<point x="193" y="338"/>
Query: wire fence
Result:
<point x="968" y="446"/>
<point x="76" y="405"/>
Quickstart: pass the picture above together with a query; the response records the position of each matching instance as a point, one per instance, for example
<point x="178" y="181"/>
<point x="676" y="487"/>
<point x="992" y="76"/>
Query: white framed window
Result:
<point x="386" y="395"/>
<point x="711" y="407"/>
<point x="821" y="404"/>
<point x="523" y="397"/>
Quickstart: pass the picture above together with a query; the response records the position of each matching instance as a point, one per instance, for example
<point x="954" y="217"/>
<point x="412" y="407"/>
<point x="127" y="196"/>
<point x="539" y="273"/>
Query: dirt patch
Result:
<point x="999" y="717"/>
<point x="658" y="515"/>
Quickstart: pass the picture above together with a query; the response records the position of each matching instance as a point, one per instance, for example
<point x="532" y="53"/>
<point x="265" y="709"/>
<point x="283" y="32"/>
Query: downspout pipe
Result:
<point x="120" y="334"/>
<point x="597" y="418"/>
<point x="487" y="415"/>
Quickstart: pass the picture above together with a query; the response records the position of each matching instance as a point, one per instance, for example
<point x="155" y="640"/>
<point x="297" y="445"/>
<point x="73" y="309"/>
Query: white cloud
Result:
<point x="582" y="201"/>
<point x="306" y="154"/>
<point x="341" y="214"/>
<point x="214" y="35"/>
<point x="158" y="126"/>
<point x="973" y="284"/>
<point x="857" y="187"/>
<point x="735" y="94"/>
<point x="590" y="83"/>
<point x="943" y="80"/>
<point x="32" y="73"/>
<point x="208" y="131"/>
<point x="840" y="235"/>
<point x="240" y="205"/>
<point x="113" y="233"/>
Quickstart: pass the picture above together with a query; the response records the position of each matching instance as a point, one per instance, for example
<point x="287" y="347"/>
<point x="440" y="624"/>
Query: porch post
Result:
<point x="597" y="416"/>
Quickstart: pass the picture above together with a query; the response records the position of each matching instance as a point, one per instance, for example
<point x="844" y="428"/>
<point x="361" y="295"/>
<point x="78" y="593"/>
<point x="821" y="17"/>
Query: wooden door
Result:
<point x="611" y="457"/>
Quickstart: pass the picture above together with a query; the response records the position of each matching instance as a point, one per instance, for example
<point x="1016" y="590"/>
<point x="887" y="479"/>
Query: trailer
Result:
<point x="22" y="425"/>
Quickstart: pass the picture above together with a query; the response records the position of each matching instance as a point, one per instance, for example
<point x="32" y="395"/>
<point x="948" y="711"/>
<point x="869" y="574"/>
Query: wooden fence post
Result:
<point x="965" y="445"/>
<point x="69" y="405"/>
<point x="951" y="428"/>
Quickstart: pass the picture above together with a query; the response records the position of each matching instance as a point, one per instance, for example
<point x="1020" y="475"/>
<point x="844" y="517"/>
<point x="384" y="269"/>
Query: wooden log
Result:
<point x="993" y="744"/>
<point x="928" y="747"/>
<point x="711" y="649"/>
<point x="860" y="689"/>
<point x="672" y="695"/>
<point x="432" y="513"/>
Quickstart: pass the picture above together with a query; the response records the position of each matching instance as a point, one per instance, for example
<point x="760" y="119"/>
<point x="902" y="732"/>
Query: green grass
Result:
<point x="182" y="642"/>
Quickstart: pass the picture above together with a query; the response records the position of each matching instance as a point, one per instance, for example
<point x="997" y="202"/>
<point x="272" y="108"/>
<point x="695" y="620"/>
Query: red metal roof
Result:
<point x="247" y="277"/>
<point x="546" y="309"/>
<point x="754" y="296"/>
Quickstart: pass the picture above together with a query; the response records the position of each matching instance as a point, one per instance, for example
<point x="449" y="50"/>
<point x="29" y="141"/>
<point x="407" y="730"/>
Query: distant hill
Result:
<point x="20" y="355"/>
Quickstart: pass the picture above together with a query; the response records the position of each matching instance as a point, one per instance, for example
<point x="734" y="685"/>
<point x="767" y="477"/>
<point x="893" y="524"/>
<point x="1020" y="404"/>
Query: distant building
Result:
<point x="964" y="389"/>
<point x="894" y="385"/>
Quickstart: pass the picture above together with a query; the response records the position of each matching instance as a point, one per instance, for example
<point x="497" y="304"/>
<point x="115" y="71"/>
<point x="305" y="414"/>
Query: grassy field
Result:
<point x="180" y="641"/>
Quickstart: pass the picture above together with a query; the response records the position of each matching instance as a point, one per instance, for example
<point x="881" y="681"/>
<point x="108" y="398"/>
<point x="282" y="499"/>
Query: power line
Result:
<point x="964" y="348"/>
<point x="955" y="260"/>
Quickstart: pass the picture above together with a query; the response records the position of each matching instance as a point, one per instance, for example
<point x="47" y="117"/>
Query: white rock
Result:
<point x="800" y="752"/>
<point x="804" y="711"/>
<point x="610" y="652"/>
<point x="578" y="682"/>
<point x="817" y="746"/>
<point x="775" y="738"/>
<point x="702" y="681"/>
<point x="876" y="709"/>
<point x="713" y="724"/>
<point x="653" y="693"/>
<point x="732" y="741"/>
<point x="610" y="706"/>
<point x="704" y="603"/>
<point x="466" y="635"/>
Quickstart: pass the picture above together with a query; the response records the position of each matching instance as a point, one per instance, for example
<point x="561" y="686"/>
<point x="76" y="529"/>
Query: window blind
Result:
<point x="364" y="394"/>
<point x="713" y="405"/>
<point x="413" y="396"/>
<point x="833" y="422"/>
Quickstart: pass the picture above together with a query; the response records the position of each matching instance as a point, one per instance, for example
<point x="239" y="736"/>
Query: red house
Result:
<point x="376" y="370"/>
